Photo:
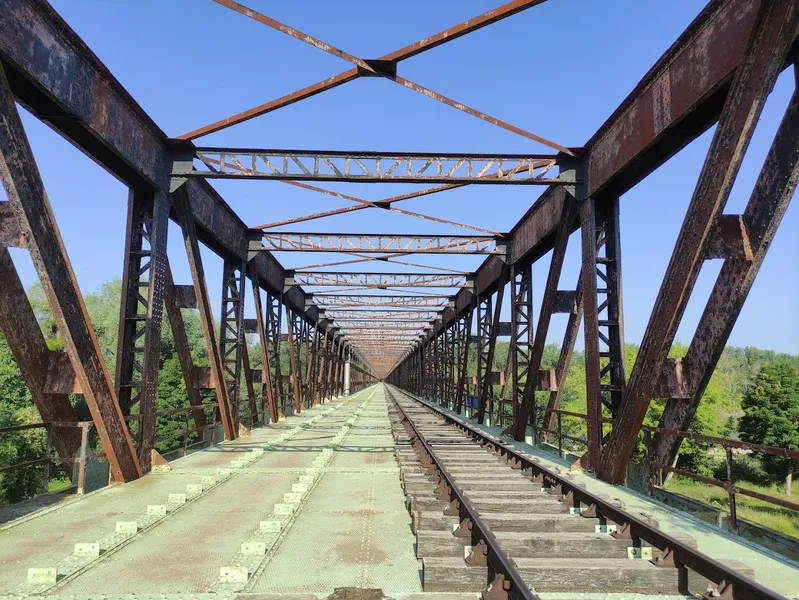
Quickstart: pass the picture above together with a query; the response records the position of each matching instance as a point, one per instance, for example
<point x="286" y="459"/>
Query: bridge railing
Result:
<point x="50" y="458"/>
<point x="655" y="472"/>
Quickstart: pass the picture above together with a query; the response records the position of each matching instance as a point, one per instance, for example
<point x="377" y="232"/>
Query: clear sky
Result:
<point x="558" y="70"/>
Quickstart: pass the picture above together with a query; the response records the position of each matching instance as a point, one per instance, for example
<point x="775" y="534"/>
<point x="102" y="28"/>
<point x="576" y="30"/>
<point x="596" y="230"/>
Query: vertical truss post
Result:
<point x="30" y="206"/>
<point x="274" y="317"/>
<point x="484" y="313"/>
<point x="231" y="331"/>
<point x="765" y="55"/>
<point x="331" y="366"/>
<point x="183" y="351"/>
<point x="301" y="338"/>
<point x="294" y="332"/>
<point x="487" y="387"/>
<point x="450" y="373"/>
<point x="464" y="334"/>
<point x="521" y="340"/>
<point x="420" y="370"/>
<point x="311" y="354"/>
<point x="428" y="378"/>
<point x="340" y="372"/>
<point x="593" y="392"/>
<point x="767" y="205"/>
<point x="610" y="321"/>
<point x="141" y="312"/>
<point x="248" y="380"/>
<point x="321" y="389"/>
<point x="180" y="202"/>
<point x="443" y="367"/>
<point x="547" y="309"/>
<point x="347" y="370"/>
<point x="268" y="392"/>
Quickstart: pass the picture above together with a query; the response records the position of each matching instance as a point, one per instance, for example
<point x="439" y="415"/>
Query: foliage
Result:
<point x="771" y="408"/>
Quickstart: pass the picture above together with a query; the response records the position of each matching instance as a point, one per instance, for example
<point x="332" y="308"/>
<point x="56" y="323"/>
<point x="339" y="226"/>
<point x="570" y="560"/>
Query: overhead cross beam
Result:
<point x="378" y="243"/>
<point x="378" y="280"/>
<point x="377" y="301"/>
<point x="380" y="315"/>
<point x="371" y="167"/>
<point x="385" y="66"/>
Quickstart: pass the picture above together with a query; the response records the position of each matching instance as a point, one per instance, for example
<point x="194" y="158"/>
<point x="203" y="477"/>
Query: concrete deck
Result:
<point x="353" y="526"/>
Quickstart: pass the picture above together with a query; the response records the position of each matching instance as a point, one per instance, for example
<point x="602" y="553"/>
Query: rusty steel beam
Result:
<point x="378" y="280"/>
<point x="369" y="167"/>
<point x="544" y="318"/>
<point x="27" y="344"/>
<point x="294" y="360"/>
<point x="231" y="332"/>
<point x="268" y="393"/>
<point x="385" y="204"/>
<point x="375" y="67"/>
<point x="593" y="392"/>
<point x="767" y="204"/>
<point x="180" y="203"/>
<point x="486" y="387"/>
<point x="379" y="301"/>
<point x="370" y="243"/>
<point x="767" y="49"/>
<point x="28" y="201"/>
<point x="181" y="339"/>
<point x="377" y="314"/>
<point x="141" y="313"/>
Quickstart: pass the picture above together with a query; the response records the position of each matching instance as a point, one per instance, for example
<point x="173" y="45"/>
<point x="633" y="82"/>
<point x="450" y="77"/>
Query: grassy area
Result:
<point x="56" y="485"/>
<point x="749" y="509"/>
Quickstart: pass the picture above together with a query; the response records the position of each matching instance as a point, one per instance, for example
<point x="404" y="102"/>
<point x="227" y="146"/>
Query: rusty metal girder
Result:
<point x="369" y="167"/>
<point x="371" y="243"/>
<point x="378" y="280"/>
<point x="370" y="302"/>
<point x="380" y="315"/>
<point x="385" y="66"/>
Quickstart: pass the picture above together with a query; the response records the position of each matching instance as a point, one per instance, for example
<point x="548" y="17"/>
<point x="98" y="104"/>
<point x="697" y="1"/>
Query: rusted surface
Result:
<point x="269" y="400"/>
<point x="645" y="130"/>
<point x="767" y="50"/>
<point x="545" y="315"/>
<point x="27" y="198"/>
<point x="182" y="349"/>
<point x="24" y="337"/>
<point x="10" y="233"/>
<point x="370" y="243"/>
<point x="371" y="167"/>
<point x="767" y="204"/>
<point x="180" y="202"/>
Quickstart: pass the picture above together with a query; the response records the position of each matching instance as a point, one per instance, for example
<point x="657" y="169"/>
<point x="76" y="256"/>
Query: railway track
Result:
<point x="490" y="519"/>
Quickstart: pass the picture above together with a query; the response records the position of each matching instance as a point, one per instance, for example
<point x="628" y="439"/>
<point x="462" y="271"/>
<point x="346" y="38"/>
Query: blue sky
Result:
<point x="558" y="70"/>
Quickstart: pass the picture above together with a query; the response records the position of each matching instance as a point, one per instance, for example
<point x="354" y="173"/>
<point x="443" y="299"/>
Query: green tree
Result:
<point x="771" y="416"/>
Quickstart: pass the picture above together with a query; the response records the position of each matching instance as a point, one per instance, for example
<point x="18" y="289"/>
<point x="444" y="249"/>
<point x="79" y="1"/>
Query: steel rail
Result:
<point x="498" y="561"/>
<point x="675" y="552"/>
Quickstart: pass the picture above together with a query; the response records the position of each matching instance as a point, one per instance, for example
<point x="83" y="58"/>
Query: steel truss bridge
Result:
<point x="413" y="326"/>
